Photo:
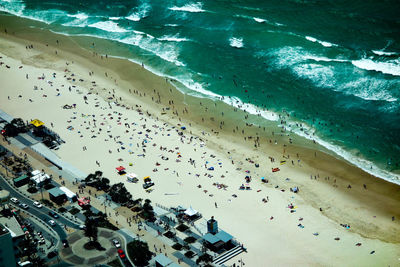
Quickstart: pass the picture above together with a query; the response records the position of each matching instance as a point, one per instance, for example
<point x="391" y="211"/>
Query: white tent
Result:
<point x="131" y="177"/>
<point x="70" y="195"/>
<point x="190" y="211"/>
<point x="35" y="172"/>
<point x="40" y="178"/>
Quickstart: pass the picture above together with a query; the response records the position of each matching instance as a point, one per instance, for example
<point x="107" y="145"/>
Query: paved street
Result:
<point x="41" y="213"/>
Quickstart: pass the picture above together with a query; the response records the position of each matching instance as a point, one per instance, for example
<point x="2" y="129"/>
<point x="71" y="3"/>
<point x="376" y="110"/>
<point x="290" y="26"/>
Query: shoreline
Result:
<point x="368" y="166"/>
<point x="304" y="138"/>
<point x="380" y="198"/>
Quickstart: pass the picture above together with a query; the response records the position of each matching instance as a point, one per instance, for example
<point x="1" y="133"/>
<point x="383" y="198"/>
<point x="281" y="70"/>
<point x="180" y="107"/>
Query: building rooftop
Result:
<point x="56" y="192"/>
<point x="67" y="192"/>
<point x="220" y="236"/>
<point x="3" y="230"/>
<point x="162" y="260"/>
<point x="10" y="224"/>
<point x="22" y="177"/>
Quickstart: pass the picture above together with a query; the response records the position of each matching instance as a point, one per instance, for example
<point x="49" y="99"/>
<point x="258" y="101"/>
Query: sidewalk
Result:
<point x="122" y="217"/>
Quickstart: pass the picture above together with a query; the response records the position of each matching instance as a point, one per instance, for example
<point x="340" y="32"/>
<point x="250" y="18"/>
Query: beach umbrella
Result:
<point x="37" y="123"/>
<point x="120" y="168"/>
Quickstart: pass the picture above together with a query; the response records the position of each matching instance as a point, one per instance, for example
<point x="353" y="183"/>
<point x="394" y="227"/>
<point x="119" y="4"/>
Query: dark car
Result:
<point x="53" y="214"/>
<point x="24" y="206"/>
<point x="65" y="243"/>
<point x="147" y="185"/>
<point x="52" y="254"/>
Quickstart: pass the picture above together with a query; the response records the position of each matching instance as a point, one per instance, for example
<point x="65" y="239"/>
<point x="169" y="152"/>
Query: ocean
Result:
<point x="330" y="69"/>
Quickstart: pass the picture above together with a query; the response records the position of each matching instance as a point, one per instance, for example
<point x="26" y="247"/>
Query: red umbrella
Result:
<point x="120" y="168"/>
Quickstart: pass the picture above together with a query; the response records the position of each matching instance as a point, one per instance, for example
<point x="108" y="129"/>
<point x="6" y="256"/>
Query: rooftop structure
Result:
<point x="57" y="195"/>
<point x="7" y="257"/>
<point x="70" y="195"/>
<point x="163" y="261"/>
<point x="12" y="226"/>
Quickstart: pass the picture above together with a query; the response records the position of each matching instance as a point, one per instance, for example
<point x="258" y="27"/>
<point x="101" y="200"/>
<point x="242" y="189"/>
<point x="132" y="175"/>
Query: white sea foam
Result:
<point x="147" y="42"/>
<point x="79" y="21"/>
<point x="323" y="43"/>
<point x="173" y="38"/>
<point x="139" y="12"/>
<point x="324" y="75"/>
<point x="259" y="20"/>
<point x="383" y="53"/>
<point x="79" y="15"/>
<point x="369" y="88"/>
<point x="320" y="75"/>
<point x="236" y="42"/>
<point x="17" y="8"/>
<point x="324" y="59"/>
<point x="114" y="18"/>
<point x="250" y="108"/>
<point x="191" y="7"/>
<point x="171" y="25"/>
<point x="391" y="67"/>
<point x="108" y="26"/>
<point x="14" y="7"/>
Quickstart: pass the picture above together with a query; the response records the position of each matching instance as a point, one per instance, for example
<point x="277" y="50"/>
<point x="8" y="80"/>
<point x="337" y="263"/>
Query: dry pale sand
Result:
<point x="117" y="121"/>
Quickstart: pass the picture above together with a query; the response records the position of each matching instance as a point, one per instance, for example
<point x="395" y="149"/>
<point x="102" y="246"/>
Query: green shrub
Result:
<point x="190" y="239"/>
<point x="177" y="246"/>
<point x="182" y="228"/>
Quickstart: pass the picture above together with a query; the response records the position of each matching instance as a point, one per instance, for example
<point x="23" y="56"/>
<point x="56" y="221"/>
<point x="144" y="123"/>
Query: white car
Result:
<point x="37" y="204"/>
<point x="116" y="243"/>
<point x="52" y="223"/>
<point x="14" y="200"/>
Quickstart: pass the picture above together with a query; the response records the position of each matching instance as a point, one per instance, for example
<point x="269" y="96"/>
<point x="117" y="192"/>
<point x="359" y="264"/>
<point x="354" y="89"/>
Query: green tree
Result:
<point x="19" y="124"/>
<point x="119" y="194"/>
<point x="98" y="181"/>
<point x="204" y="258"/>
<point x="139" y="253"/>
<point x="91" y="230"/>
<point x="148" y="212"/>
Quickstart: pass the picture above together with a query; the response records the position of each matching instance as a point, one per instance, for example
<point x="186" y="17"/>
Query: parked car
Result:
<point x="121" y="254"/>
<point x="37" y="204"/>
<point x="52" y="254"/>
<point x="24" y="206"/>
<point x="53" y="214"/>
<point x="14" y="200"/>
<point x="52" y="223"/>
<point x="65" y="243"/>
<point x="116" y="243"/>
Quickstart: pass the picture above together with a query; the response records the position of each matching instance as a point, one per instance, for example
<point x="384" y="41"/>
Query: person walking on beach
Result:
<point x="216" y="206"/>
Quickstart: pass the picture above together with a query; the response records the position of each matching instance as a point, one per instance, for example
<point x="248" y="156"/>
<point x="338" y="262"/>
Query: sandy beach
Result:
<point x="112" y="112"/>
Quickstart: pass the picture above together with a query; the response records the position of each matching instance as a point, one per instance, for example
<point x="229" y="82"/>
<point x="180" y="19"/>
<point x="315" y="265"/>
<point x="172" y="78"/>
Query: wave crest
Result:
<point x="323" y="43"/>
<point x="140" y="12"/>
<point x="108" y="26"/>
<point x="236" y="42"/>
<point x="191" y="7"/>
<point x="390" y="67"/>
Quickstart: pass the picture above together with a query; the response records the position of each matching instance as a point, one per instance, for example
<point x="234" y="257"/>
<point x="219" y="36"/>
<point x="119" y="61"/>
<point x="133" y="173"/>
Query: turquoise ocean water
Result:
<point x="334" y="66"/>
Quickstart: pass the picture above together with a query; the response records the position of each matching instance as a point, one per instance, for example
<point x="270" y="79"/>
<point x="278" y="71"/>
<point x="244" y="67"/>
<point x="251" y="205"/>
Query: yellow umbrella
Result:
<point x="37" y="123"/>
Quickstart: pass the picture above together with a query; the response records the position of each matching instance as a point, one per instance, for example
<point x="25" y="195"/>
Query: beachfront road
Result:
<point x="41" y="213"/>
